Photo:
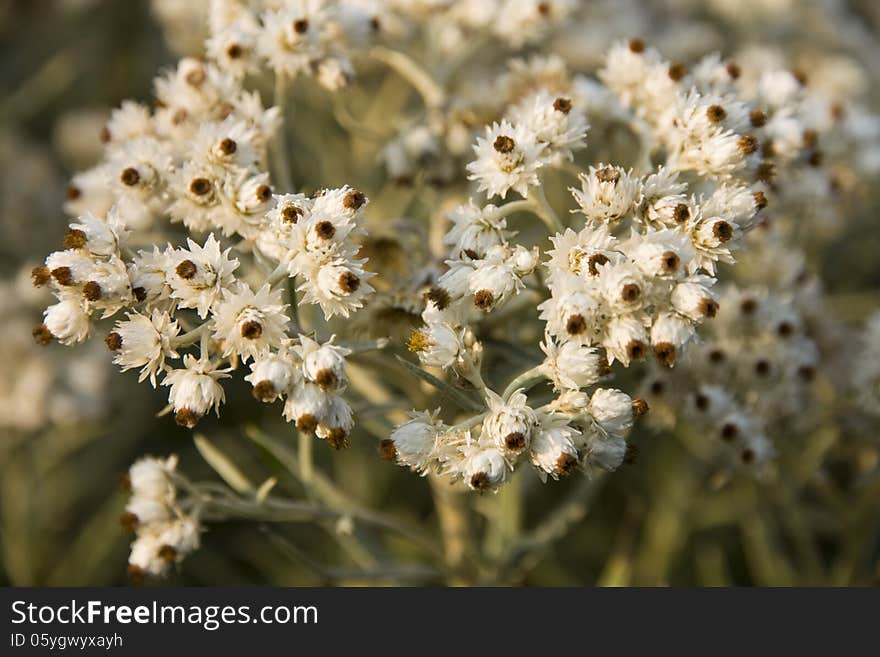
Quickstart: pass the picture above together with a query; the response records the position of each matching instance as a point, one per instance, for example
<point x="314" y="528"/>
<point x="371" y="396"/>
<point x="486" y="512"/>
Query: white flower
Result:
<point x="669" y="333"/>
<point x="198" y="275"/>
<point x="336" y="423"/>
<point x="612" y="411"/>
<point x="146" y="510"/>
<point x="306" y="406"/>
<point x="694" y="299"/>
<point x="494" y="279"/>
<point x="662" y="253"/>
<point x="509" y="424"/>
<point x="144" y="558"/>
<point x="294" y="37"/>
<point x="572" y="315"/>
<point x="273" y="374"/>
<point x="475" y="230"/>
<point x="148" y="272"/>
<point x="485" y="469"/>
<point x="67" y="321"/>
<point x="195" y="390"/>
<point x="149" y="477"/>
<point x="437" y="344"/>
<point x="623" y="288"/>
<point x="144" y="342"/>
<point x="234" y="47"/>
<point x="100" y="237"/>
<point x="250" y="323"/>
<point x="339" y="287"/>
<point x="552" y="450"/>
<point x="581" y="254"/>
<point x="323" y="364"/>
<point x="414" y="440"/>
<point x="508" y="157"/>
<point x="607" y="193"/>
<point x="626" y="339"/>
<point x="555" y="123"/>
<point x="571" y="365"/>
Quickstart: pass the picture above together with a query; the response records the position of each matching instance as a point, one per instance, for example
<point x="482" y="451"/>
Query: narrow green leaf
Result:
<point x="462" y="400"/>
<point x="223" y="465"/>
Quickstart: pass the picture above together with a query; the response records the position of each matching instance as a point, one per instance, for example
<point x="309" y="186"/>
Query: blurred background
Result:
<point x="70" y="425"/>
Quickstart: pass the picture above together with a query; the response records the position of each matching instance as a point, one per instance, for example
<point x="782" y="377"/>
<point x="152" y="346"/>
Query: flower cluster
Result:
<point x="165" y="533"/>
<point x="197" y="160"/>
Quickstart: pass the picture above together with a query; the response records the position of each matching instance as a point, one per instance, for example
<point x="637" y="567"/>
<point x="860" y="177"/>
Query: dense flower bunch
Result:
<point x="166" y="533"/>
<point x="196" y="161"/>
<point x="191" y="235"/>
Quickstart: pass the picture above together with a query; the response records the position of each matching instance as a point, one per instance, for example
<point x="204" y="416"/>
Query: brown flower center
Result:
<point x="186" y="418"/>
<point x="708" y="307"/>
<point x="200" y="186"/>
<point x="595" y="261"/>
<point x="40" y="276"/>
<point x="354" y="200"/>
<point x="348" y="282"/>
<point x="74" y="239"/>
<point x="576" y="324"/>
<point x="608" y="175"/>
<point x="307" y="423"/>
<point x="251" y="330"/>
<point x="325" y="229"/>
<point x="484" y="299"/>
<point x="387" y="450"/>
<point x="681" y="213"/>
<point x="670" y="261"/>
<point x="326" y="379"/>
<point x="42" y="335"/>
<point x="92" y="291"/>
<point x="228" y="146"/>
<point x="130" y="176"/>
<point x="264" y="391"/>
<point x="291" y="213"/>
<point x="716" y="113"/>
<point x="677" y="71"/>
<point x="338" y="438"/>
<point x="635" y="349"/>
<point x="562" y="105"/>
<point x="515" y="441"/>
<point x="630" y="292"/>
<point x="63" y="275"/>
<point x="503" y="144"/>
<point x="665" y="353"/>
<point x="186" y="269"/>
<point x="722" y="230"/>
<point x="439" y="297"/>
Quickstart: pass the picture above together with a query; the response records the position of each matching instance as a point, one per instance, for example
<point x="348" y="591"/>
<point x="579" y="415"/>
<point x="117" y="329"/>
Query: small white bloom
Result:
<point x="144" y="342"/>
<point x="250" y="323"/>
<point x="508" y="157"/>
<point x="607" y="193"/>
<point x="571" y="365"/>
<point x="67" y="321"/>
<point x="414" y="440"/>
<point x="612" y="411"/>
<point x="552" y="450"/>
<point x="198" y="275"/>
<point x="509" y="425"/>
<point x="195" y="389"/>
<point x="323" y="364"/>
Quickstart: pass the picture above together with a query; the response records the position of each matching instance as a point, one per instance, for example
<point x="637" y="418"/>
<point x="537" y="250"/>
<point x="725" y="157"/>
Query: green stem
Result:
<point x="545" y="211"/>
<point x="280" y="159"/>
<point x="413" y="73"/>
<point x="525" y="381"/>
